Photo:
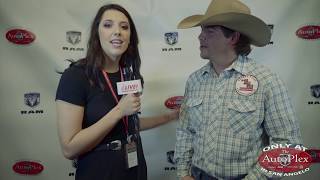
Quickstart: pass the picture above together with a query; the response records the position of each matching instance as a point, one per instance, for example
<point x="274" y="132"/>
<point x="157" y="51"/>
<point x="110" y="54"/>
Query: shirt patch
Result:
<point x="247" y="85"/>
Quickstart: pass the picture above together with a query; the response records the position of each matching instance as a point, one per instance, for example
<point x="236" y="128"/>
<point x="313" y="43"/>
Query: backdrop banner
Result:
<point x="40" y="36"/>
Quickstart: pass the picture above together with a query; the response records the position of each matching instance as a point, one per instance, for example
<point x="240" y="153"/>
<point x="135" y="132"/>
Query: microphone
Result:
<point x="129" y="86"/>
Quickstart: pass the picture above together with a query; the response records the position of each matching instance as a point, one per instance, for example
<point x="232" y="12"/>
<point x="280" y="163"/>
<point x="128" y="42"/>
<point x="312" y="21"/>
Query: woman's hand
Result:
<point x="174" y="115"/>
<point x="129" y="104"/>
<point x="187" y="178"/>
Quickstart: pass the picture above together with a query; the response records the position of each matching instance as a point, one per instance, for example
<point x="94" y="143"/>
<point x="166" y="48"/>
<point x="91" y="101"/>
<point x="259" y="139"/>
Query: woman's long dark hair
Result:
<point x="95" y="58"/>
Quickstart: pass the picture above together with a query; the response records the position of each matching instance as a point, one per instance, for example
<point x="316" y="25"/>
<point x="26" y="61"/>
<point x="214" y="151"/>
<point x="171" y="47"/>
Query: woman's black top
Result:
<point x="74" y="87"/>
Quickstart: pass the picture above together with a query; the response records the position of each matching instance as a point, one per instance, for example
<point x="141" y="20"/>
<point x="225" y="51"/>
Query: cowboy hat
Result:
<point x="234" y="15"/>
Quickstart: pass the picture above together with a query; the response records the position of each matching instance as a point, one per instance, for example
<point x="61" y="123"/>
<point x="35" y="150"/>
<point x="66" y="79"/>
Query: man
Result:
<point x="233" y="107"/>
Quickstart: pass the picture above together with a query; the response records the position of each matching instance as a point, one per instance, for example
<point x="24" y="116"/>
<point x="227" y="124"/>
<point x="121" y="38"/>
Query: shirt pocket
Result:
<point x="241" y="116"/>
<point x="195" y="113"/>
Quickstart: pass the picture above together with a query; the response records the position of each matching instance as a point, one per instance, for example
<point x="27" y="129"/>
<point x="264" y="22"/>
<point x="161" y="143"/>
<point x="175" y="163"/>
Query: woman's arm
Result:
<point x="151" y="122"/>
<point x="74" y="140"/>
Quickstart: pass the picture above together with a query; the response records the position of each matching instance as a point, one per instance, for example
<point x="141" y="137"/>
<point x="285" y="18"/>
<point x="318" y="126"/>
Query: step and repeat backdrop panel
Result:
<point x="38" y="37"/>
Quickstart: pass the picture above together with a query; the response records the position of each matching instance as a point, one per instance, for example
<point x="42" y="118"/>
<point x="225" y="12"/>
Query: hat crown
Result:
<point x="234" y="15"/>
<point x="226" y="6"/>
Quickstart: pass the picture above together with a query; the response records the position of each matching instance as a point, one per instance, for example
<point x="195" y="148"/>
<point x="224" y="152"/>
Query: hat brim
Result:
<point x="254" y="28"/>
<point x="191" y="21"/>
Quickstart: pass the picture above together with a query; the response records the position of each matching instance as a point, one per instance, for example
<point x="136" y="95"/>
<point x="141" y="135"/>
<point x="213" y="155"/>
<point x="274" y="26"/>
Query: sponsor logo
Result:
<point x="171" y="38"/>
<point x="285" y="160"/>
<point x="170" y="159"/>
<point x="271" y="26"/>
<point x="171" y="168"/>
<point x="174" y="102"/>
<point x="310" y="32"/>
<point x="32" y="100"/>
<point x="74" y="164"/>
<point x="27" y="168"/>
<point x="315" y="92"/>
<point x="20" y="36"/>
<point x="315" y="155"/>
<point x="171" y="49"/>
<point x="74" y="38"/>
<point x="31" y="112"/>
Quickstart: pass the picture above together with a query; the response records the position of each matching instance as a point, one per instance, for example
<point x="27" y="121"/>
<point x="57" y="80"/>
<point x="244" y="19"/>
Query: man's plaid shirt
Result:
<point x="221" y="131"/>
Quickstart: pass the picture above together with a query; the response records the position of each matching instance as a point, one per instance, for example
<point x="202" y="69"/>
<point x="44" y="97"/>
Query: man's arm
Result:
<point x="183" y="150"/>
<point x="280" y="121"/>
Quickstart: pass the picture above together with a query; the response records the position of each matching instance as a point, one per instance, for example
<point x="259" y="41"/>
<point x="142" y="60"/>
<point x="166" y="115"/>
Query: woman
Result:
<point x="95" y="125"/>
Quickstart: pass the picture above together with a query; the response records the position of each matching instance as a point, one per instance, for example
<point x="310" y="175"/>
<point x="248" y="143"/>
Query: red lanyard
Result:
<point x="124" y="119"/>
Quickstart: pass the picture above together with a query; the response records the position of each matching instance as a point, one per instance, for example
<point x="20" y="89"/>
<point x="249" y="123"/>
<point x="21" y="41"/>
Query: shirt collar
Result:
<point x="207" y="69"/>
<point x="242" y="65"/>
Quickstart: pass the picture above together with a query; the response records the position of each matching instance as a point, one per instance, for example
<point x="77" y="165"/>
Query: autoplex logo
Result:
<point x="27" y="168"/>
<point x="20" y="36"/>
<point x="310" y="32"/>
<point x="174" y="102"/>
<point x="284" y="160"/>
<point x="315" y="155"/>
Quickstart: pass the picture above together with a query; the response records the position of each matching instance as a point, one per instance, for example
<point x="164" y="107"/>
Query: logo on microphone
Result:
<point x="129" y="87"/>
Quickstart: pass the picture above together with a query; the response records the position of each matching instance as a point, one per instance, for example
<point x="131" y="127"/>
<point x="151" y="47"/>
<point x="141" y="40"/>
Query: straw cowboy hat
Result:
<point x="234" y="15"/>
